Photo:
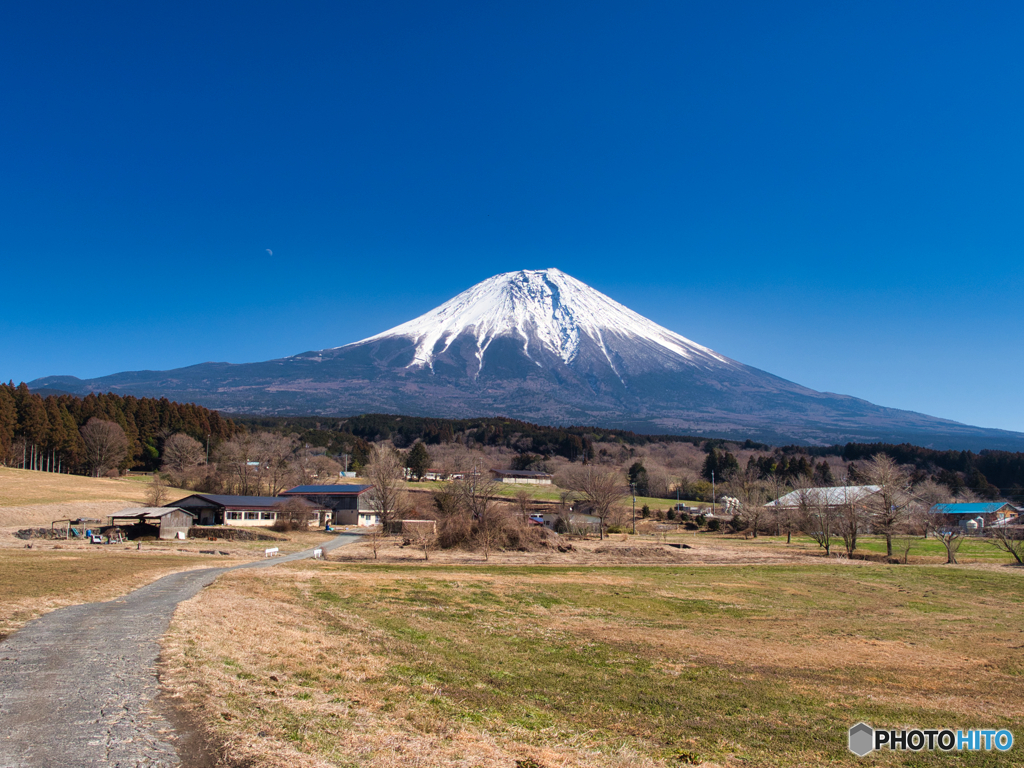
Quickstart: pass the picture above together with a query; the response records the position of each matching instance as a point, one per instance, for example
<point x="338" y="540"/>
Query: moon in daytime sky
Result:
<point x="270" y="252"/>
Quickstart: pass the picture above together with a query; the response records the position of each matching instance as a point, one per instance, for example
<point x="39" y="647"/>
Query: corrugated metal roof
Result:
<point x="972" y="508"/>
<point x="327" y="490"/>
<point x="831" y="496"/>
<point x="150" y="512"/>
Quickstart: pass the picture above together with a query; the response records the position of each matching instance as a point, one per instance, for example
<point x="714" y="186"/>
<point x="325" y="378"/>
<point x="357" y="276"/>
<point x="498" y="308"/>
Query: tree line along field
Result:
<point x="48" y="433"/>
<point x="591" y="666"/>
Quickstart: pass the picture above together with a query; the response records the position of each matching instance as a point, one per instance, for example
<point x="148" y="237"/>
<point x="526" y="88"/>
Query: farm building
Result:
<point x="161" y="522"/>
<point x="521" y="477"/>
<point x="218" y="509"/>
<point x="993" y="513"/>
<point x="435" y="474"/>
<point x="346" y="504"/>
<point x="833" y="496"/>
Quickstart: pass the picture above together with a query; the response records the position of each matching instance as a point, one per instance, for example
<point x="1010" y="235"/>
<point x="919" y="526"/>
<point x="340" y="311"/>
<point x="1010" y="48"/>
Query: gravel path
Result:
<point x="78" y="685"/>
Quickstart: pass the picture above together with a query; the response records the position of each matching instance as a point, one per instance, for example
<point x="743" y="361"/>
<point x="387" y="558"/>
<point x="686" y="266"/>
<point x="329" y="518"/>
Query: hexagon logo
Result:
<point x="861" y="739"/>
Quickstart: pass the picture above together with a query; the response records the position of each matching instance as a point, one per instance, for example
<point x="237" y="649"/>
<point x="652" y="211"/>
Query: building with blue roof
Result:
<point x="984" y="513"/>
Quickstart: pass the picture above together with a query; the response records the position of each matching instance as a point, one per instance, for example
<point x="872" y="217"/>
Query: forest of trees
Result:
<point x="573" y="443"/>
<point x="989" y="474"/>
<point x="54" y="433"/>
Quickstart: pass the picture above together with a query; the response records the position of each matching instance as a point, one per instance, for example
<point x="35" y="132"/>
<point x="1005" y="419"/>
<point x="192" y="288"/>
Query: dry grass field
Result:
<point x="53" y="574"/>
<point x="550" y="493"/>
<point x="34" y="581"/>
<point x="23" y="494"/>
<point x="392" y="664"/>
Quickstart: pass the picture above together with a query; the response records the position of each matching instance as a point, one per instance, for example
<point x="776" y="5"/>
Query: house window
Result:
<point x="233" y="515"/>
<point x="252" y="515"/>
<point x="268" y="515"/>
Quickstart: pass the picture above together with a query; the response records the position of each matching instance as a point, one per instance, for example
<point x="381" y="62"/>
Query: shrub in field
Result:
<point x="714" y="524"/>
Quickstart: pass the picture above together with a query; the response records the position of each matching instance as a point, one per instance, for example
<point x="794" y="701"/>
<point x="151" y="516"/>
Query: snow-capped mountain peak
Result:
<point x="543" y="307"/>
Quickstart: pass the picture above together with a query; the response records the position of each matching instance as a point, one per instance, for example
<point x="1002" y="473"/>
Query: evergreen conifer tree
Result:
<point x="418" y="460"/>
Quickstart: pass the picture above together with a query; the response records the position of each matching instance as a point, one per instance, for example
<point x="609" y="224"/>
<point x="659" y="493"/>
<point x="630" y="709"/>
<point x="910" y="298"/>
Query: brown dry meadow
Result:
<point x="399" y="664"/>
<point x="29" y="498"/>
<point x="34" y="581"/>
<point x="20" y="487"/>
<point x="53" y="574"/>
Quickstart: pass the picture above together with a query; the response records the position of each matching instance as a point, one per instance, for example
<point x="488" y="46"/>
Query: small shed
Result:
<point x="162" y="522"/>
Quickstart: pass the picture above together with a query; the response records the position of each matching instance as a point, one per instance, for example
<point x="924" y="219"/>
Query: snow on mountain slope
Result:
<point x="539" y="307"/>
<point x="541" y="346"/>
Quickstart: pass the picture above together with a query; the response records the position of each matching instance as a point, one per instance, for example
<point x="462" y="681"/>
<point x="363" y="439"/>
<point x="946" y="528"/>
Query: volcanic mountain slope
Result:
<point x="544" y="347"/>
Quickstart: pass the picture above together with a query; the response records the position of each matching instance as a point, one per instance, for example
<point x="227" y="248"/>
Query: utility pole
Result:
<point x="632" y="487"/>
<point x="207" y="450"/>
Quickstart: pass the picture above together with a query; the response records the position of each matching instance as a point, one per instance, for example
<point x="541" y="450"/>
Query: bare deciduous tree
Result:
<point x="752" y="493"/>
<point x="105" y="445"/>
<point x="890" y="505"/>
<point x="849" y="520"/>
<point x="951" y="537"/>
<point x="239" y="460"/>
<point x="320" y="470"/>
<point x="424" y="538"/>
<point x="912" y="528"/>
<point x="475" y="493"/>
<point x="928" y="493"/>
<point x="818" y="516"/>
<point x="597" y="487"/>
<point x="385" y="471"/>
<point x="294" y="514"/>
<point x="375" y="535"/>
<point x="278" y="466"/>
<point x="182" y="457"/>
<point x="260" y="463"/>
<point x="156" y="493"/>
<point x="1009" y="539"/>
<point x="523" y="502"/>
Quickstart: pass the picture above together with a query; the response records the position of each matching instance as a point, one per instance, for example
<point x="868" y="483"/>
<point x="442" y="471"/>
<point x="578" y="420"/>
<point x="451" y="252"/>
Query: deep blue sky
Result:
<point x="829" y="191"/>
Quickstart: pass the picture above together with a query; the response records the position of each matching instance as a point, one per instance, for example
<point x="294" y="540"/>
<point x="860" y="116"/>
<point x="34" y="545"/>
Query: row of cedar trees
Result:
<point x="45" y="433"/>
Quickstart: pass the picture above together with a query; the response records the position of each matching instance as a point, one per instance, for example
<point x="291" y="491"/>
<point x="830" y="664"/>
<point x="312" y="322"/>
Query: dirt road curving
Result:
<point x="78" y="685"/>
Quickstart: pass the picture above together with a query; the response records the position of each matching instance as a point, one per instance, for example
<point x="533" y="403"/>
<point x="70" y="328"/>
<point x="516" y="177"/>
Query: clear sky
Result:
<point x="828" y="191"/>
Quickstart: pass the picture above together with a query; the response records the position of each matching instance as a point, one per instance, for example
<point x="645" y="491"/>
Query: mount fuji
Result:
<point x="541" y="346"/>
